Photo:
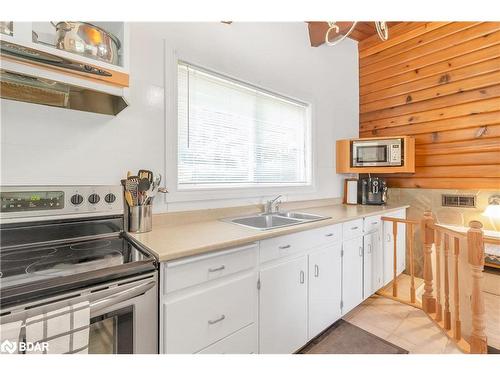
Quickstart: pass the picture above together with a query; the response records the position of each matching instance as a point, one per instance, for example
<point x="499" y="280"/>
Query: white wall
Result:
<point x="44" y="145"/>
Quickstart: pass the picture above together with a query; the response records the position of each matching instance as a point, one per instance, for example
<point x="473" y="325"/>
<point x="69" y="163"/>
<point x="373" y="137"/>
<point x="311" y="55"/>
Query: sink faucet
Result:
<point x="272" y="205"/>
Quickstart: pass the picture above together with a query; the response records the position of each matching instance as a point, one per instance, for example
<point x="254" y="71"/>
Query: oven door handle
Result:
<point x="121" y="296"/>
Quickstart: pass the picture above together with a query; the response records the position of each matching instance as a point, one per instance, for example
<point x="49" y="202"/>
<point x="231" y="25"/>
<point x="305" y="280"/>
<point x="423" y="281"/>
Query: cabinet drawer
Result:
<point x="196" y="270"/>
<point x="242" y="342"/>
<point x="352" y="229"/>
<point x="197" y="320"/>
<point x="279" y="247"/>
<point x="372" y="223"/>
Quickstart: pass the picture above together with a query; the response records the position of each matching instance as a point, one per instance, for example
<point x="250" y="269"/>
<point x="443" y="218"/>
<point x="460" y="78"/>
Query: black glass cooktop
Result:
<point x="21" y="266"/>
<point x="40" y="259"/>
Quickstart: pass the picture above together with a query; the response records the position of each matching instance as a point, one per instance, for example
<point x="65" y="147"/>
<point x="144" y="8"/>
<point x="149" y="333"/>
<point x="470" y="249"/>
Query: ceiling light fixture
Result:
<point x="380" y="26"/>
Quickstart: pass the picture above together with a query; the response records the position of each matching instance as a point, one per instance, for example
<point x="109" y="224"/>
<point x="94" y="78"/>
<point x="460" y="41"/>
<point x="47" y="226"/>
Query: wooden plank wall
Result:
<point x="438" y="82"/>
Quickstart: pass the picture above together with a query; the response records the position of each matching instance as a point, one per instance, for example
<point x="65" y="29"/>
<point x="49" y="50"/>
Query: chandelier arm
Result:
<point x="334" y="26"/>
<point x="382" y="30"/>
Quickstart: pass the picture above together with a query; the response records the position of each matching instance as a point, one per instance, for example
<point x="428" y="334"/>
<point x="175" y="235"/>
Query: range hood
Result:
<point x="25" y="77"/>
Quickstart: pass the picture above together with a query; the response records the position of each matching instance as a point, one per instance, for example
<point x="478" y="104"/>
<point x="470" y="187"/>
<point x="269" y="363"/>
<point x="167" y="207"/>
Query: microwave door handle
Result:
<point x="121" y="296"/>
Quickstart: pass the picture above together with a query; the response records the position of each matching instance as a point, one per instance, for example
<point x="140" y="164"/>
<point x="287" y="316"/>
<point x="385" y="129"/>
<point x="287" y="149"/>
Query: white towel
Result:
<point x="66" y="330"/>
<point x="9" y="337"/>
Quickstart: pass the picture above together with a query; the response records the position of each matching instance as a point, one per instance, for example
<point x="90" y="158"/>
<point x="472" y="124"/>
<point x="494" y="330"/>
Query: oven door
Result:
<point x="123" y="317"/>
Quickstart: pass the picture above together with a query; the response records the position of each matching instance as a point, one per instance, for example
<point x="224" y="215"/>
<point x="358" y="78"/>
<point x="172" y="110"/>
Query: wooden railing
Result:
<point x="437" y="242"/>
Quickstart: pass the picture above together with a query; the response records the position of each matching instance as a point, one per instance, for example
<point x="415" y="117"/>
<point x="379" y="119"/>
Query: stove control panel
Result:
<point x="49" y="202"/>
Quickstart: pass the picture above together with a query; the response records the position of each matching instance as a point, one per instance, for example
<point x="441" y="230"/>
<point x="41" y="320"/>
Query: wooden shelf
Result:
<point x="343" y="152"/>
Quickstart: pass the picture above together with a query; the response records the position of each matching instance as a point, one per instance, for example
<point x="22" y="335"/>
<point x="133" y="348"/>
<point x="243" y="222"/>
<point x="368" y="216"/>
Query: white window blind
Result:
<point x="231" y="134"/>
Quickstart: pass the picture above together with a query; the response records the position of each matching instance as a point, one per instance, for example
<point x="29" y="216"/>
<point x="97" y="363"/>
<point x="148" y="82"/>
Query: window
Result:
<point x="232" y="134"/>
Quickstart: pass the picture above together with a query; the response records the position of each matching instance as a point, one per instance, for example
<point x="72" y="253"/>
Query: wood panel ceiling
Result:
<point x="363" y="30"/>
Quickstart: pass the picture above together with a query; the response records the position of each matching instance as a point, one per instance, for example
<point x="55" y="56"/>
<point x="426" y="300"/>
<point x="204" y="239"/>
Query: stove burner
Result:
<point x="91" y="245"/>
<point x="24" y="255"/>
<point x="83" y="260"/>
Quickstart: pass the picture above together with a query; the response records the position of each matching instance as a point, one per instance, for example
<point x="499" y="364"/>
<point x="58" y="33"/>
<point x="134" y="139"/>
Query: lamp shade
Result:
<point x="492" y="211"/>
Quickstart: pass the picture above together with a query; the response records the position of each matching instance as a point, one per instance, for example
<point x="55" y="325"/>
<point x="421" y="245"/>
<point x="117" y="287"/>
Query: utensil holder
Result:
<point x="141" y="218"/>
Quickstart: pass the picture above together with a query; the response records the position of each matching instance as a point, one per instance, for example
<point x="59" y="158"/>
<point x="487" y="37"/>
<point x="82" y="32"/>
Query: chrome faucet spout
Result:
<point x="272" y="205"/>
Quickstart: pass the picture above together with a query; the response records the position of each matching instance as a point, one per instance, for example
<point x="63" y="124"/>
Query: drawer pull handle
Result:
<point x="361" y="251"/>
<point x="369" y="248"/>
<point x="354" y="228"/>
<point x="316" y="270"/>
<point x="216" y="269"/>
<point x="302" y="278"/>
<point x="222" y="317"/>
<point x="284" y="247"/>
<point x="329" y="234"/>
<point x="374" y="222"/>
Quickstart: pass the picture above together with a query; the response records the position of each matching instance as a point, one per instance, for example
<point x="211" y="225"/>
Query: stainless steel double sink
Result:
<point x="275" y="220"/>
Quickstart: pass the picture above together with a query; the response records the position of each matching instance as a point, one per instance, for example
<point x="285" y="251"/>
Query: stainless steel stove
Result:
<point x="65" y="245"/>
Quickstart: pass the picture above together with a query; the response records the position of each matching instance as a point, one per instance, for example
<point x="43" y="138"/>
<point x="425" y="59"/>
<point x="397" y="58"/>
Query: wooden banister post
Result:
<point x="395" y="259"/>
<point x="427" y="233"/>
<point x="439" y="307"/>
<point x="413" y="296"/>
<point x="475" y="249"/>
<point x="456" y="292"/>
<point x="446" y="313"/>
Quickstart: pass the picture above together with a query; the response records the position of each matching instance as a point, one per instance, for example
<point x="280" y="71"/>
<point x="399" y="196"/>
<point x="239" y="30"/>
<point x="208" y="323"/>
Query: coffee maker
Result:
<point x="372" y="190"/>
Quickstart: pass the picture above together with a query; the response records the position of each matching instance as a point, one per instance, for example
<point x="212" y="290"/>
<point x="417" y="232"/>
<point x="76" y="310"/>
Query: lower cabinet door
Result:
<point x="283" y="307"/>
<point x="368" y="265"/>
<point x="373" y="264"/>
<point x="325" y="280"/>
<point x="197" y="319"/>
<point x="352" y="274"/>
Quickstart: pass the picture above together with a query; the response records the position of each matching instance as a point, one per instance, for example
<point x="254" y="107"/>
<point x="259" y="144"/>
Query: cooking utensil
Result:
<point x="87" y="40"/>
<point x="131" y="185"/>
<point x="144" y="173"/>
<point x="143" y="187"/>
<point x="128" y="198"/>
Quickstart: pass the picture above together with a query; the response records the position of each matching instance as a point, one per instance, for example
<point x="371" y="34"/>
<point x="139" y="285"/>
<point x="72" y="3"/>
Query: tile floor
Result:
<point x="402" y="325"/>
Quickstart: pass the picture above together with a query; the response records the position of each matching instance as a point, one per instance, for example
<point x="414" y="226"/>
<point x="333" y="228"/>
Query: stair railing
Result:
<point x="436" y="241"/>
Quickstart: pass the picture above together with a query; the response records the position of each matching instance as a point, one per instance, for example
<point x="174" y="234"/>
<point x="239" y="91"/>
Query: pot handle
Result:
<point x="67" y="28"/>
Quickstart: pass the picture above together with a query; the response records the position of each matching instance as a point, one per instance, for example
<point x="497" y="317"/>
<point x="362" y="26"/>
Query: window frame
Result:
<point x="214" y="192"/>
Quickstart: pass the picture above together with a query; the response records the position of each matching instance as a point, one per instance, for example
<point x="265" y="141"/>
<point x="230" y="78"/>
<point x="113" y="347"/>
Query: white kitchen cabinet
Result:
<point x="388" y="246"/>
<point x="209" y="302"/>
<point x="352" y="274"/>
<point x="373" y="264"/>
<point x="325" y="280"/>
<point x="283" y="307"/>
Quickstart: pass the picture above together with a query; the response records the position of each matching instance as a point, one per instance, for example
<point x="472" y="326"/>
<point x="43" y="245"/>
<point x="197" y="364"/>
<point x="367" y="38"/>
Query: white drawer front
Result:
<point x="352" y="229"/>
<point x="200" y="319"/>
<point x="326" y="235"/>
<point x="242" y="342"/>
<point x="196" y="270"/>
<point x="282" y="246"/>
<point x="372" y="223"/>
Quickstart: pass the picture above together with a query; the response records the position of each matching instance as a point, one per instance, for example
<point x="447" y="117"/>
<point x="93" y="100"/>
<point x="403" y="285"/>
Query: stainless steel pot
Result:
<point x="87" y="40"/>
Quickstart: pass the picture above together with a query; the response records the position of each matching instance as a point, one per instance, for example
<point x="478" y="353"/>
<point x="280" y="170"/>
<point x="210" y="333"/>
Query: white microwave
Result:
<point x="377" y="153"/>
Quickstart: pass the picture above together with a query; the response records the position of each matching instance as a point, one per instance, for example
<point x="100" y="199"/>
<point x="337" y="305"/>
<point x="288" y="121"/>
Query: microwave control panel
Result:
<point x="395" y="153"/>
